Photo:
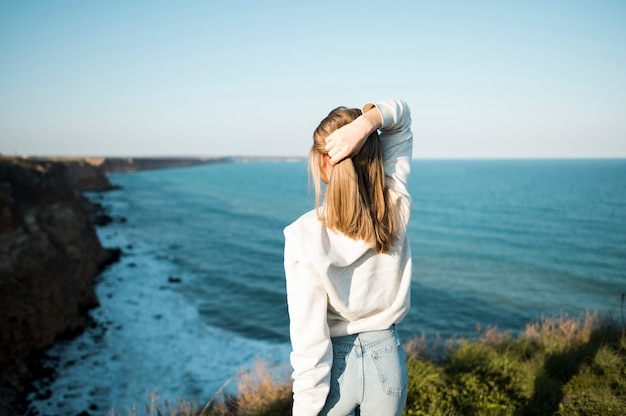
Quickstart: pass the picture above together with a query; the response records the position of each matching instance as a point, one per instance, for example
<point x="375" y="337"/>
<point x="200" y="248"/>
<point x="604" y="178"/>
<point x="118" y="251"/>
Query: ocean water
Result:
<point x="199" y="293"/>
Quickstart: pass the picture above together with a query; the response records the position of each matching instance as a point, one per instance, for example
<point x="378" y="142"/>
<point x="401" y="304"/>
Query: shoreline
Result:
<point x="142" y="319"/>
<point x="121" y="164"/>
<point x="56" y="205"/>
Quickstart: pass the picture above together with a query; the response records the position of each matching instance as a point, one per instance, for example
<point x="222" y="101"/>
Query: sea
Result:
<point x="199" y="293"/>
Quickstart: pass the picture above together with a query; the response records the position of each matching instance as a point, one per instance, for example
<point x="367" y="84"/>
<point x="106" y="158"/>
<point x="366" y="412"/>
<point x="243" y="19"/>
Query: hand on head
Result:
<point x="346" y="141"/>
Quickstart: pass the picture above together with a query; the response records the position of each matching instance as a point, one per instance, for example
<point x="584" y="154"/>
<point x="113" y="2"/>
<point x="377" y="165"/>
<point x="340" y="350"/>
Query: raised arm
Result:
<point x="396" y="140"/>
<point x="392" y="117"/>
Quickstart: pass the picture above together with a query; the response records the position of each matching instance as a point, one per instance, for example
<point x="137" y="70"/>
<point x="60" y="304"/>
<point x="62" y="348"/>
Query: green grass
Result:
<point x="557" y="366"/>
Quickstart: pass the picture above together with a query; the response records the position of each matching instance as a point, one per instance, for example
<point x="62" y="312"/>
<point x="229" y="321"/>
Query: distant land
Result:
<point x="133" y="164"/>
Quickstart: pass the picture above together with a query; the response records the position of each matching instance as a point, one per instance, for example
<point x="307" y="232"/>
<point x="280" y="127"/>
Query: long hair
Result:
<point x="357" y="201"/>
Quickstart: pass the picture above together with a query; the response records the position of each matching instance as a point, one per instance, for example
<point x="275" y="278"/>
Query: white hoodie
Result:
<point x="339" y="286"/>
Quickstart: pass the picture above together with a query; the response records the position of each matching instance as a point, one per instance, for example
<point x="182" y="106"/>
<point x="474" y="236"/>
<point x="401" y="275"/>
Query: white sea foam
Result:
<point x="148" y="339"/>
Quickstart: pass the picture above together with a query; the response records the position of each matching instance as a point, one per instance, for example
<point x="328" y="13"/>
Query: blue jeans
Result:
<point x="368" y="376"/>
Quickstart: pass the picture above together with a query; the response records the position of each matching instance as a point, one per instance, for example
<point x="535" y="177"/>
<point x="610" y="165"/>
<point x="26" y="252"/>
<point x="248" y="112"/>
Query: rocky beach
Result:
<point x="50" y="255"/>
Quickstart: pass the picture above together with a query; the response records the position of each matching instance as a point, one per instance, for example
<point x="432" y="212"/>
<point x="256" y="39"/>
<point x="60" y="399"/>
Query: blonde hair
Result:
<point x="357" y="201"/>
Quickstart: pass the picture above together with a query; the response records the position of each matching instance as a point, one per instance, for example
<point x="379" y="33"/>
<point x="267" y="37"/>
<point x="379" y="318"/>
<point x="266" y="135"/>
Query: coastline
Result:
<point x="104" y="165"/>
<point x="54" y="205"/>
<point x="48" y="240"/>
<point x="146" y="337"/>
<point x="119" y="164"/>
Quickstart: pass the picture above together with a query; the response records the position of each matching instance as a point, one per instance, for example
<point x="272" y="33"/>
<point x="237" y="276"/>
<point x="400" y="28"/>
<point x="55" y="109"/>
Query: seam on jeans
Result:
<point x="392" y="390"/>
<point x="388" y="350"/>
<point x="379" y="341"/>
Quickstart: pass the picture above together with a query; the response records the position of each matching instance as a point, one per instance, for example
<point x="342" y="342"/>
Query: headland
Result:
<point x="50" y="255"/>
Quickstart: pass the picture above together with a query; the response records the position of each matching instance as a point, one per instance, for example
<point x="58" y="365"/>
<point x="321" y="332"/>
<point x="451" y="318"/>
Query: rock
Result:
<point x="49" y="256"/>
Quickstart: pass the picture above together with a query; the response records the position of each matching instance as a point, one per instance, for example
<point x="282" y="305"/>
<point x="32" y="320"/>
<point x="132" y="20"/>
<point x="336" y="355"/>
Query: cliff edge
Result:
<point x="49" y="256"/>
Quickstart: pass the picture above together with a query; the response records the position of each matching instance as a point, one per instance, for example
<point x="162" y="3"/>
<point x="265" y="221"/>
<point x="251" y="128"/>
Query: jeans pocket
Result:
<point x="390" y="363"/>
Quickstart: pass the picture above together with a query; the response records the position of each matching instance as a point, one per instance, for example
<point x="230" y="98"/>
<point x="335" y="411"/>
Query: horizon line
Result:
<point x="303" y="157"/>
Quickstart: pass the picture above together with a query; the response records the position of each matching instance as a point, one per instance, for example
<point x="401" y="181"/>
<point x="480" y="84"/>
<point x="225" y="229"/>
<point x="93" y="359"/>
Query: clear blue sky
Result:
<point x="484" y="79"/>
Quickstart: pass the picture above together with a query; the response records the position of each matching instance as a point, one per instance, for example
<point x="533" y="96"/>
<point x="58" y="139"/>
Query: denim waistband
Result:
<point x="365" y="340"/>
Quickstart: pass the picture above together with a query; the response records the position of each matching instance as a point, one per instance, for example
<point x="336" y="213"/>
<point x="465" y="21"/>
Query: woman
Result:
<point x="348" y="266"/>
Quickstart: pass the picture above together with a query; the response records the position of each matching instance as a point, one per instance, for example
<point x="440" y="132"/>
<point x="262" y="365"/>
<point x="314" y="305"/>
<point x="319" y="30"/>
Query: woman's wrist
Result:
<point x="374" y="119"/>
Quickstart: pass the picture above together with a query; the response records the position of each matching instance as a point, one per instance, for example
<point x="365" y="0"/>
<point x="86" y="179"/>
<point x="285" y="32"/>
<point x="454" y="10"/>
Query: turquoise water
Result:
<point x="498" y="243"/>
<point x="494" y="242"/>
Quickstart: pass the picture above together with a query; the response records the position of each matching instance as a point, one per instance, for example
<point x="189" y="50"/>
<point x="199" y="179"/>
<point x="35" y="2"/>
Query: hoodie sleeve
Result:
<point x="311" y="356"/>
<point x="396" y="140"/>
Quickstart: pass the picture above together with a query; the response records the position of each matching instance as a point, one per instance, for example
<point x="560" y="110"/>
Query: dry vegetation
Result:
<point x="557" y="366"/>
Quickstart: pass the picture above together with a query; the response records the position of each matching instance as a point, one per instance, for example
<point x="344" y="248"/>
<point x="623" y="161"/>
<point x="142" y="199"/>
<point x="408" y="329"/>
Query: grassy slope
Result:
<point x="558" y="366"/>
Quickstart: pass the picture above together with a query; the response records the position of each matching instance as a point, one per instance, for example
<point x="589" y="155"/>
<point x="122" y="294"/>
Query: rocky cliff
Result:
<point x="49" y="256"/>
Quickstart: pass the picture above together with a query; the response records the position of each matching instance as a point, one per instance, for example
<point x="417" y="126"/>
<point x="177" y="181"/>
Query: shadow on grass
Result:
<point x="559" y="368"/>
